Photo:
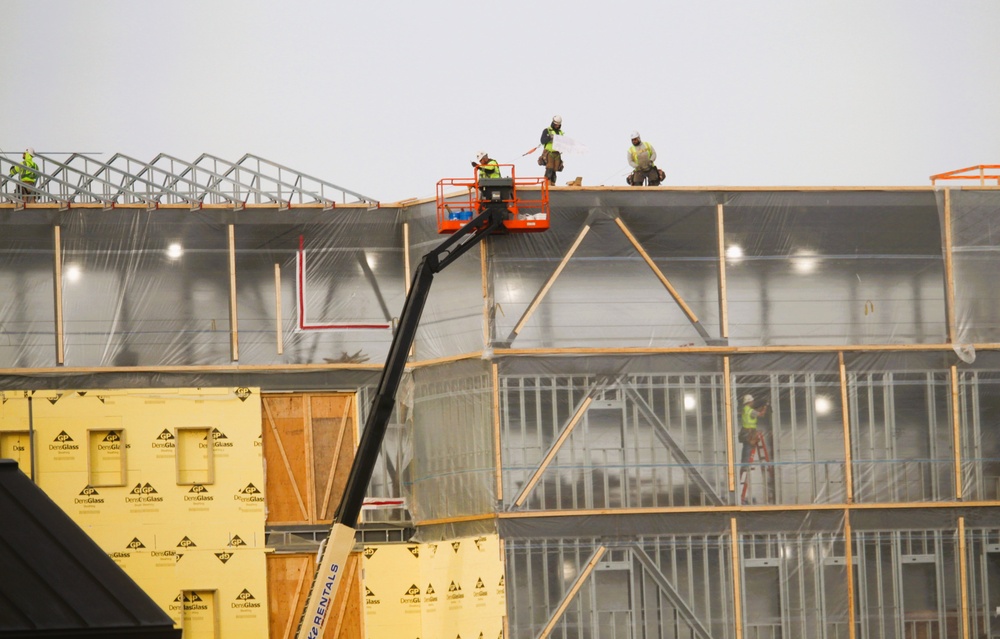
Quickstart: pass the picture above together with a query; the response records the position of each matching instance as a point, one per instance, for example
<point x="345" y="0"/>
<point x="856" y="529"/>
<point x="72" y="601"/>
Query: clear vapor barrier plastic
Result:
<point x="693" y="413"/>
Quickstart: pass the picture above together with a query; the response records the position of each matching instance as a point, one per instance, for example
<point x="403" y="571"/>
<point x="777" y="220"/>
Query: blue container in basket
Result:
<point x="459" y="216"/>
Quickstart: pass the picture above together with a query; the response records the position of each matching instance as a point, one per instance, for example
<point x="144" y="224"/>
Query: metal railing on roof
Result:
<point x="984" y="173"/>
<point x="166" y="180"/>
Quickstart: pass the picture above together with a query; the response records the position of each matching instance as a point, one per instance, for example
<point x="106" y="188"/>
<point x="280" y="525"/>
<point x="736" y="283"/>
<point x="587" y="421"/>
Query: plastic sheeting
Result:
<point x="976" y="255"/>
<point x="673" y="574"/>
<point x="654" y="431"/>
<point x="801" y="268"/>
<point x="845" y="267"/>
<point x="453" y="471"/>
<point x="27" y="255"/>
<point x="128" y="301"/>
<point x="606" y="448"/>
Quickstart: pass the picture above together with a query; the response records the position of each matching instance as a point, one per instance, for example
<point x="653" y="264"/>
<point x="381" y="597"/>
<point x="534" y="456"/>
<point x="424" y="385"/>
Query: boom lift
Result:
<point x="494" y="207"/>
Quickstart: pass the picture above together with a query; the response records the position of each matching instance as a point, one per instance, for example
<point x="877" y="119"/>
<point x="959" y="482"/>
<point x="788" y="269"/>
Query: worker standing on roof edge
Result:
<point x="551" y="159"/>
<point x="641" y="156"/>
<point x="749" y="435"/>
<point x="487" y="167"/>
<point x="27" y="174"/>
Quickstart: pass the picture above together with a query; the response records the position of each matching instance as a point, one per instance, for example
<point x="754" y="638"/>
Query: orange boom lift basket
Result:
<point x="461" y="199"/>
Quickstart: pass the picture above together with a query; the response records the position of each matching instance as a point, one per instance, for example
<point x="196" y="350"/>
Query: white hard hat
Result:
<point x="635" y="134"/>
<point x="479" y="156"/>
<point x="556" y="119"/>
<point x="748" y="399"/>
<point x="29" y="151"/>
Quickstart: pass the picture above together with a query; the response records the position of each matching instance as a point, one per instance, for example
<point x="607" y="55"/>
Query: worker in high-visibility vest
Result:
<point x="641" y="157"/>
<point x="486" y="166"/>
<point x="749" y="436"/>
<point x="550" y="158"/>
<point x="27" y="174"/>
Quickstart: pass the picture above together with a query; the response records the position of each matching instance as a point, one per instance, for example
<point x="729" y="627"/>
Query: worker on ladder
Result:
<point x="752" y="439"/>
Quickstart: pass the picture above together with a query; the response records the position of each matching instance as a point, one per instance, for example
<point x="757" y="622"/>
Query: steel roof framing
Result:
<point x="126" y="181"/>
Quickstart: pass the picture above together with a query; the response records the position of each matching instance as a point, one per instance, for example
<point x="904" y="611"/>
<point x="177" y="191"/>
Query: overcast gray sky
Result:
<point x="385" y="97"/>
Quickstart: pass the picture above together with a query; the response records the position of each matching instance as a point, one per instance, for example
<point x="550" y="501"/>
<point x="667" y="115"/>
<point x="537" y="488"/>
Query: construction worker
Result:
<point x="486" y="166"/>
<point x="749" y="435"/>
<point x="26" y="174"/>
<point x="550" y="159"/>
<point x="641" y="156"/>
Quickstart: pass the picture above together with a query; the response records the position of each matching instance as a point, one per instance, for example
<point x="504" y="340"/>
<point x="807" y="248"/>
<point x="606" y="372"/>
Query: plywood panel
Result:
<point x="286" y="458"/>
<point x="334" y="442"/>
<point x="309" y="442"/>
<point x="289" y="577"/>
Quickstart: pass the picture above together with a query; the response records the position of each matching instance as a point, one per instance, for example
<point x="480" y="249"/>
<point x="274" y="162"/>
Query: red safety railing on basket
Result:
<point x="986" y="174"/>
<point x="461" y="199"/>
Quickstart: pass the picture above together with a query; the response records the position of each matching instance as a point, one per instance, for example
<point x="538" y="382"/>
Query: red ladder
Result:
<point x="759" y="452"/>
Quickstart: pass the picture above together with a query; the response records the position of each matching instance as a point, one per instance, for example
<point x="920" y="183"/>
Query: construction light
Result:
<point x="805" y="261"/>
<point x="690" y="402"/>
<point x="569" y="570"/>
<point x="734" y="252"/>
<point x="174" y="251"/>
<point x="73" y="272"/>
<point x="823" y="405"/>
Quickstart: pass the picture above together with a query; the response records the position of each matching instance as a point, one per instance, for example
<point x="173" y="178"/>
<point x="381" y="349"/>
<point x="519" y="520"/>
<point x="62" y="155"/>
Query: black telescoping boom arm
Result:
<point x="479" y="228"/>
<point x="334" y="552"/>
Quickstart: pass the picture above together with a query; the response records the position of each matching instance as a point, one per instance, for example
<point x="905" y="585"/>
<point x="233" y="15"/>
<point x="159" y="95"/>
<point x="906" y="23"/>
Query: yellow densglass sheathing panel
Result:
<point x="194" y="452"/>
<point x="394" y="591"/>
<point x="447" y="589"/>
<point x="106" y="457"/>
<point x="15" y="440"/>
<point x="170" y="537"/>
<point x="16" y="445"/>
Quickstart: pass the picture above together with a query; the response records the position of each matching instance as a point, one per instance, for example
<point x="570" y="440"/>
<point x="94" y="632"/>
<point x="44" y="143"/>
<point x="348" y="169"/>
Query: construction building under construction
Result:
<point x="189" y="348"/>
